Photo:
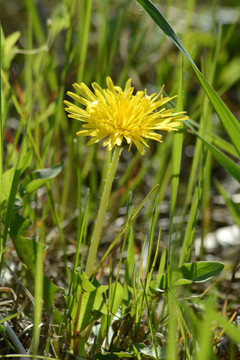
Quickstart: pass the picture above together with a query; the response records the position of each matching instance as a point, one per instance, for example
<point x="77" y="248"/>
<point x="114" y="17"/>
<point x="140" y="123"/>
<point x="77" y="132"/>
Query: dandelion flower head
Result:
<point x="117" y="115"/>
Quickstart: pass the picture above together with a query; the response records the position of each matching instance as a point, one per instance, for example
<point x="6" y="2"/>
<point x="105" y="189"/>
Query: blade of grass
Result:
<point x="150" y="323"/>
<point x="103" y="9"/>
<point x="228" y="164"/>
<point x="149" y="276"/>
<point x="186" y="333"/>
<point x="176" y="163"/>
<point x="207" y="126"/>
<point x="216" y="140"/>
<point x="114" y="32"/>
<point x="38" y="30"/>
<point x="162" y="262"/>
<point x="130" y="263"/>
<point x="221" y="143"/>
<point x="85" y="10"/>
<point x="128" y="214"/>
<point x="172" y="328"/>
<point x="188" y="238"/>
<point x="38" y="294"/>
<point x="228" y="120"/>
<point x="154" y="218"/>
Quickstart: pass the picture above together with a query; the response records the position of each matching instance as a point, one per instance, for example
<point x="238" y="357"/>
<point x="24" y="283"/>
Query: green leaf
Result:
<point x="197" y="272"/>
<point x="26" y="161"/>
<point x="6" y="184"/>
<point x="194" y="272"/>
<point x="47" y="173"/>
<point x="39" y="178"/>
<point x="85" y="284"/>
<point x="88" y="303"/>
<point x="9" y="174"/>
<point x="25" y="247"/>
<point x="228" y="120"/>
<point x="8" y="48"/>
<point x="50" y="290"/>
<point x="116" y="296"/>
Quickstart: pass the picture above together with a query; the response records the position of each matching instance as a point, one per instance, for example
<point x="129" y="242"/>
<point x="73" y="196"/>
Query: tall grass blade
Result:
<point x="38" y="296"/>
<point x="176" y="161"/>
<point x="85" y="16"/>
<point x="150" y="323"/>
<point x="228" y="164"/>
<point x="228" y="120"/>
<point x="188" y="238"/>
<point x="38" y="30"/>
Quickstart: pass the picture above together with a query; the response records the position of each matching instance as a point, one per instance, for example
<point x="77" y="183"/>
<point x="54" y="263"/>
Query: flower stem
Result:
<point x="101" y="213"/>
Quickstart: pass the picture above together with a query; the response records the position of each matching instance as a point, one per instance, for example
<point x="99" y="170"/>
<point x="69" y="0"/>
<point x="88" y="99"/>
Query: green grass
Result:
<point x="149" y="297"/>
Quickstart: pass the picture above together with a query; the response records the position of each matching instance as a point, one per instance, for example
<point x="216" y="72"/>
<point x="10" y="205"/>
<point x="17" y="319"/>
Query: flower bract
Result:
<point x="119" y="116"/>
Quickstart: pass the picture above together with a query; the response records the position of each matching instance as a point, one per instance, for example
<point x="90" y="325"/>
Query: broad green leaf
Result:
<point x="26" y="161"/>
<point x="228" y="120"/>
<point x="195" y="272"/>
<point x="8" y="48"/>
<point x="25" y="247"/>
<point x="7" y="184"/>
<point x="88" y="304"/>
<point x="47" y="173"/>
<point x="39" y="178"/>
<point x="85" y="284"/>
<point x="92" y="306"/>
<point x="34" y="185"/>
<point x="9" y="174"/>
<point x="116" y="296"/>
<point x="50" y="290"/>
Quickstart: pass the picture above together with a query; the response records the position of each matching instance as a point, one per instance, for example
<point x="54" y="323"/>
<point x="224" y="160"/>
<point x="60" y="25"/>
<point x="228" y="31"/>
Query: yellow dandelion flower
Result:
<point x="115" y="115"/>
